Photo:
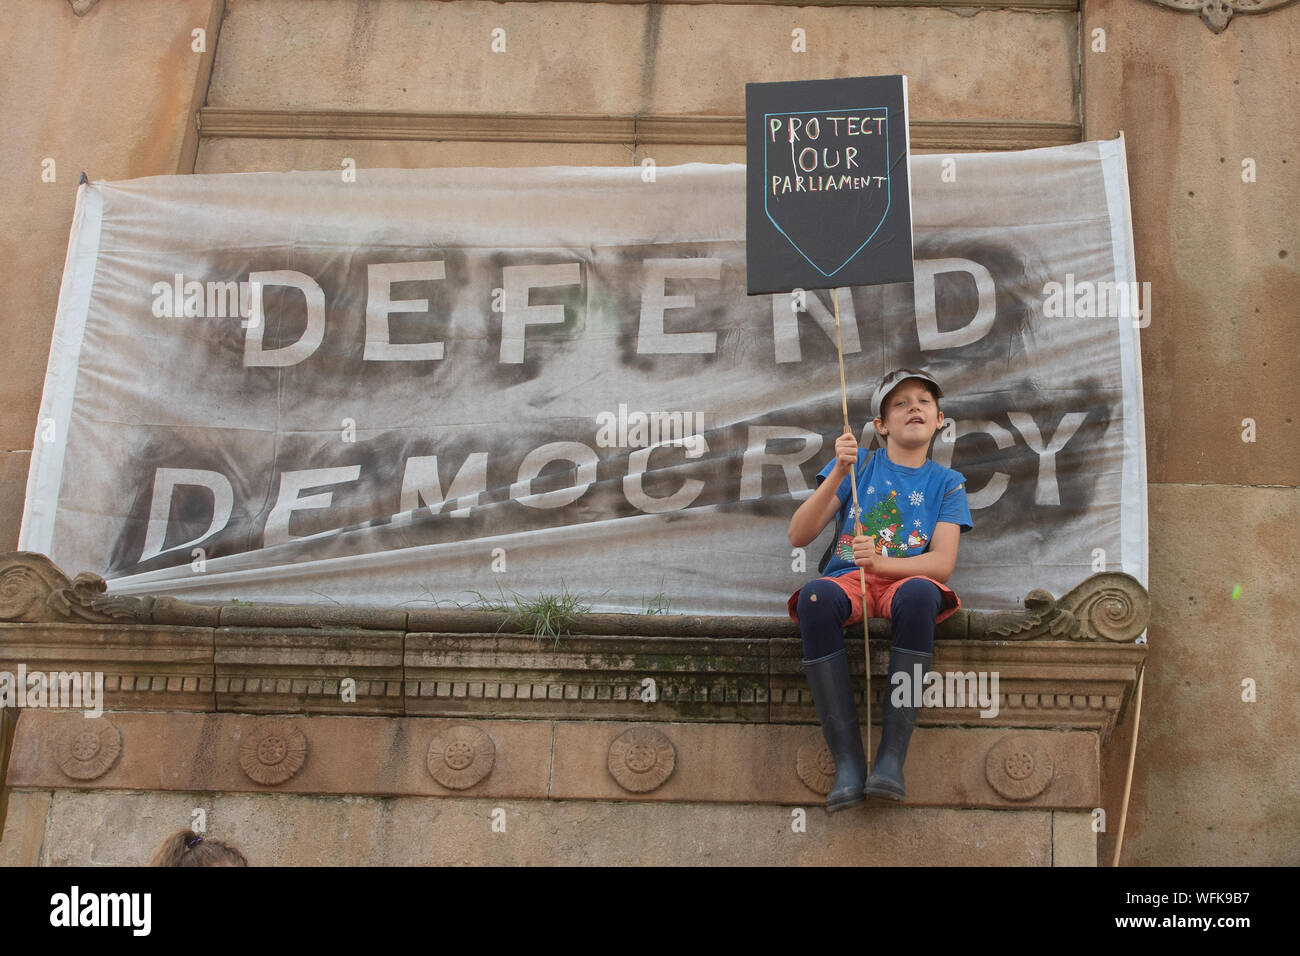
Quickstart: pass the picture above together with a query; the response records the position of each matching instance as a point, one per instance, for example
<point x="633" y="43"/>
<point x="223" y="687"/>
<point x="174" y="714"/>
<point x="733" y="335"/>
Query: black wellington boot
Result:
<point x="832" y="692"/>
<point x="886" y="780"/>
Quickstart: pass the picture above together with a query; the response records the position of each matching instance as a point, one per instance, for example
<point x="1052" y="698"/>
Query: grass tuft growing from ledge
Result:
<point x="546" y="616"/>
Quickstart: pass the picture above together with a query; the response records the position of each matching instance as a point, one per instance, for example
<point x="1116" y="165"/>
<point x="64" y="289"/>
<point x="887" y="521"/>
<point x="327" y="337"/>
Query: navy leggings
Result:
<point x="821" y="622"/>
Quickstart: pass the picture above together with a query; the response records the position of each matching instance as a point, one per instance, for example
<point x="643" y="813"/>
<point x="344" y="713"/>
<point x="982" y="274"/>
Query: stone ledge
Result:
<point x="588" y="676"/>
<point x="307" y="615"/>
<point x="1105" y="607"/>
<point x="145" y="666"/>
<point x="956" y="135"/>
<point x="1061" y="663"/>
<point x="1054" y="685"/>
<point x="287" y="670"/>
<point x="623" y="625"/>
<point x="1041" y="684"/>
<point x="553" y="760"/>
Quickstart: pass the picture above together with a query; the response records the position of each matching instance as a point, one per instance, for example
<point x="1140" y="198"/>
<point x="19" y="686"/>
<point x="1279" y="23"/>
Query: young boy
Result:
<point x="912" y="512"/>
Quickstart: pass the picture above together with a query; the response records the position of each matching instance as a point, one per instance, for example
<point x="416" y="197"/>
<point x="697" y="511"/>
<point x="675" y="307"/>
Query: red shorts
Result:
<point x="880" y="596"/>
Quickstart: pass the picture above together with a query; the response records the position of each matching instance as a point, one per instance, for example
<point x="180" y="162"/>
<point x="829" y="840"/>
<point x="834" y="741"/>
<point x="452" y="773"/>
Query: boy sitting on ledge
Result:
<point x="912" y="512"/>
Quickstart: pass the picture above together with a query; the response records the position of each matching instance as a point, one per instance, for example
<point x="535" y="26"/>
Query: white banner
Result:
<point x="423" y="384"/>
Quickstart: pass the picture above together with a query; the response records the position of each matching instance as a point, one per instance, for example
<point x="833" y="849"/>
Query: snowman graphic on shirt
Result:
<point x="885" y="540"/>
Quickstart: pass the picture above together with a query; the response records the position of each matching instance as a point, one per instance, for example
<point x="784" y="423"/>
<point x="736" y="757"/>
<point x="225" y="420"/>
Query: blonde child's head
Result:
<point x="903" y="396"/>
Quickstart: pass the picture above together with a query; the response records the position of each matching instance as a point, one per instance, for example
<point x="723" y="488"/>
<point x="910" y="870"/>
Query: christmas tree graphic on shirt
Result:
<point x="885" y="523"/>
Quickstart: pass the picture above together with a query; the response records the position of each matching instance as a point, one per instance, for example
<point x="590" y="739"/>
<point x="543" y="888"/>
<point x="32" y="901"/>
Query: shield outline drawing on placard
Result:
<point x="888" y="185"/>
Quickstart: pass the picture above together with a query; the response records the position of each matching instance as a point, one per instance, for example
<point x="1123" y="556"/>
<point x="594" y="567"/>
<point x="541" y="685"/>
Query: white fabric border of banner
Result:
<point x="45" y="474"/>
<point x="1133" y="560"/>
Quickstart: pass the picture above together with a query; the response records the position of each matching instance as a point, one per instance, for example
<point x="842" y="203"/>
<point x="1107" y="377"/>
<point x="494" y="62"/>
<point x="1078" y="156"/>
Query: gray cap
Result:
<point x="893" y="380"/>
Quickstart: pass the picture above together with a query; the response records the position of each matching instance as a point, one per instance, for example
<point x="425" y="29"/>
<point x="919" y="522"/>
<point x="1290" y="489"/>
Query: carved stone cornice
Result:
<point x="1216" y="14"/>
<point x="602" y="677"/>
<point x="274" y="670"/>
<point x="955" y="135"/>
<point x="145" y="667"/>
<point x="1043" y="684"/>
<point x="1067" y="663"/>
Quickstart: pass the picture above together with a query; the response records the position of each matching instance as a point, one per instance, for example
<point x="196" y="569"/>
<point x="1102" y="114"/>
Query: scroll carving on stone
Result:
<point x="1018" y="768"/>
<point x="33" y="590"/>
<point x="87" y="747"/>
<point x="86" y="599"/>
<point x="273" y="752"/>
<point x="641" y="759"/>
<point x="815" y="765"/>
<point x="461" y="756"/>
<point x="22" y="592"/>
<point x="1215" y="14"/>
<point x="1109" y="606"/>
<point x="27" y="580"/>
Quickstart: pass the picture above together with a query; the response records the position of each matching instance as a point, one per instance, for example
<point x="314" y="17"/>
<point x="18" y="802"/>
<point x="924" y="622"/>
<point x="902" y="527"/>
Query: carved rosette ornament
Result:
<point x="461" y="756"/>
<point x="273" y="752"/>
<point x="1018" y="768"/>
<point x="815" y="766"/>
<point x="87" y="747"/>
<point x="1215" y="14"/>
<point x="641" y="759"/>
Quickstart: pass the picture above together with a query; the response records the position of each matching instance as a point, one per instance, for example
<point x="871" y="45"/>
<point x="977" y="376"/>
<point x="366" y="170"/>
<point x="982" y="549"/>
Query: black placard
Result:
<point x="828" y="198"/>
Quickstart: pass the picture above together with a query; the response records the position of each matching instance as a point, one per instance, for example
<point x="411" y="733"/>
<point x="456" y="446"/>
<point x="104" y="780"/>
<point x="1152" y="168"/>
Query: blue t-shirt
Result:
<point x="900" y="506"/>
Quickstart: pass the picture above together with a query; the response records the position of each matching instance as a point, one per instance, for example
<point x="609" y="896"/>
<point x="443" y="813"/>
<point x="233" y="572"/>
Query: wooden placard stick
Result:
<point x="857" y="526"/>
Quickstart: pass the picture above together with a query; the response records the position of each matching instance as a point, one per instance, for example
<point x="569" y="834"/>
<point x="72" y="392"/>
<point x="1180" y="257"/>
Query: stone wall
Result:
<point x="112" y="93"/>
<point x="1213" y="782"/>
<point x="64" y="828"/>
